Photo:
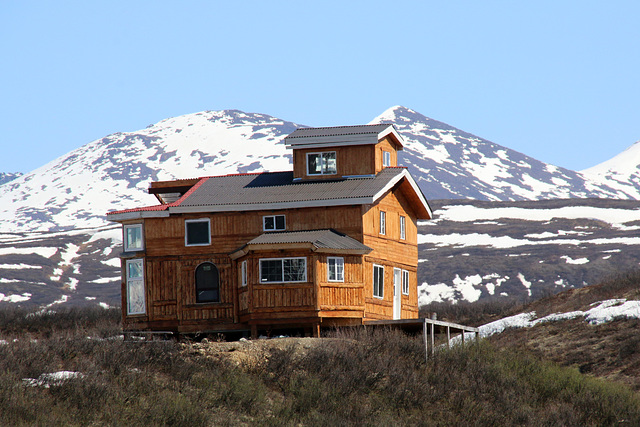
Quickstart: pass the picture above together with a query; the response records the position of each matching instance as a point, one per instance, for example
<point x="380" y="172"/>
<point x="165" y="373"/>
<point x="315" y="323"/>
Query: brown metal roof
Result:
<point x="325" y="239"/>
<point x="279" y="187"/>
<point x="338" y="131"/>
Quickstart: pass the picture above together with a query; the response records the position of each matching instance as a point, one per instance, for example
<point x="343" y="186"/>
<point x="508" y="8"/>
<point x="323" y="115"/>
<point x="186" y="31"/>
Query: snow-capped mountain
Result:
<point x="621" y="172"/>
<point x="76" y="190"/>
<point x="452" y="164"/>
<point x="56" y="246"/>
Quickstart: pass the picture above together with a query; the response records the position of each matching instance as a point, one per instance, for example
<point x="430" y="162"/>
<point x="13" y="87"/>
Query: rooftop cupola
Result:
<point x="343" y="151"/>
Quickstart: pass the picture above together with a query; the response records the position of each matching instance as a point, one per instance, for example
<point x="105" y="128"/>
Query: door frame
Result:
<point x="397" y="293"/>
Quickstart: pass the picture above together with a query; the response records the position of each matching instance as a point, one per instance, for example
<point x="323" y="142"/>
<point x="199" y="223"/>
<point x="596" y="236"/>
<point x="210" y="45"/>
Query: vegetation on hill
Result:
<point x="361" y="377"/>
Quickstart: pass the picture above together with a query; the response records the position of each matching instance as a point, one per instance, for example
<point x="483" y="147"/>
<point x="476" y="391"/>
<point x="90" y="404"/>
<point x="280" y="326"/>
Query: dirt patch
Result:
<point x="249" y="353"/>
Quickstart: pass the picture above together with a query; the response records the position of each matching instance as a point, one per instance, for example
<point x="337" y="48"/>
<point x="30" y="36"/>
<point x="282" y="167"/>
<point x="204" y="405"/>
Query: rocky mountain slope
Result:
<point x="476" y="250"/>
<point x="55" y="245"/>
<point x="7" y="176"/>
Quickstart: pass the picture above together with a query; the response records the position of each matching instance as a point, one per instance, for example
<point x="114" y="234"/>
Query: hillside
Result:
<point x="593" y="329"/>
<point x="476" y="250"/>
<point x="72" y="368"/>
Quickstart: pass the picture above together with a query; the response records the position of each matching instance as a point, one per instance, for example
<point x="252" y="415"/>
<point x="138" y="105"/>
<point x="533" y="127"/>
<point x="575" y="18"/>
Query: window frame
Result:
<point x="380" y="285"/>
<point x="195" y="287"/>
<point x="322" y="163"/>
<point x="275" y="222"/>
<point x="386" y="159"/>
<point x="405" y="282"/>
<point x="125" y="240"/>
<point x="282" y="260"/>
<point x="339" y="269"/>
<point x="243" y="273"/>
<point x="135" y="281"/>
<point x="383" y="223"/>
<point x="186" y="231"/>
<point x="403" y="227"/>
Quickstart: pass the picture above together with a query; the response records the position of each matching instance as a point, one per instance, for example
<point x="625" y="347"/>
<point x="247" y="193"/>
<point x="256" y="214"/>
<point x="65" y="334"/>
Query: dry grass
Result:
<point x="358" y="377"/>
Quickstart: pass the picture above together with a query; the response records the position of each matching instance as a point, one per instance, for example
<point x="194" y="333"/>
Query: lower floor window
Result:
<point x="378" y="281"/>
<point x="335" y="269"/>
<point x="405" y="282"/>
<point x="277" y="270"/>
<point x="135" y="287"/>
<point x="207" y="283"/>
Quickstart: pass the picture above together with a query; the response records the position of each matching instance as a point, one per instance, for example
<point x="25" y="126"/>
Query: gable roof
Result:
<point x="278" y="190"/>
<point x="342" y="135"/>
<point x="314" y="240"/>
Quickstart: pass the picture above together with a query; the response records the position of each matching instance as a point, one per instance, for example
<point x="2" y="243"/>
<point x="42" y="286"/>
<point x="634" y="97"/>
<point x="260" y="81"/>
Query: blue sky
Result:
<point x="556" y="80"/>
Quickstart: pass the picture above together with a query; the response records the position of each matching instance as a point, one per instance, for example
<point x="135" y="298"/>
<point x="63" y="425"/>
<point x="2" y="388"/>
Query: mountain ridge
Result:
<point x="56" y="246"/>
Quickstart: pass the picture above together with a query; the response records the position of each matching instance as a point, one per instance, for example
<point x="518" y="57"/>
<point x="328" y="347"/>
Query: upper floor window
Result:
<point x="197" y="232"/>
<point x="321" y="163"/>
<point x="378" y="281"/>
<point x="207" y="283"/>
<point x="386" y="158"/>
<point x="335" y="269"/>
<point x="383" y="222"/>
<point x="133" y="237"/>
<point x="403" y="228"/>
<point x="273" y="222"/>
<point x="280" y="270"/>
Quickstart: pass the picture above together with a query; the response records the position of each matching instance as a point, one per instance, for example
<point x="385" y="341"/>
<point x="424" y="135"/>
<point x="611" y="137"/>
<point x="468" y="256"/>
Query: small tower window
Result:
<point x="386" y="159"/>
<point x="322" y="163"/>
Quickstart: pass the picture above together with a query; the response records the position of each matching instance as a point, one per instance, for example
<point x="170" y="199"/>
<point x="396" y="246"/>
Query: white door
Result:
<point x="397" y="293"/>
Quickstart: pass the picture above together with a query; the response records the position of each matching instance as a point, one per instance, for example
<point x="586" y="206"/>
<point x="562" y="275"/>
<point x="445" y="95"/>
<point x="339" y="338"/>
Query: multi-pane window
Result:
<point x="403" y="228"/>
<point x="386" y="158"/>
<point x="197" y="232"/>
<point x="135" y="287"/>
<point x="383" y="222"/>
<point x="335" y="269"/>
<point x="322" y="163"/>
<point x="133" y="237"/>
<point x="279" y="270"/>
<point x="405" y="282"/>
<point x="207" y="283"/>
<point x="243" y="273"/>
<point x="378" y="281"/>
<point x="273" y="222"/>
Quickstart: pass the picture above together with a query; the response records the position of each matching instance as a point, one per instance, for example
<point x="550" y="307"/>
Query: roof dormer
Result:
<point x="343" y="151"/>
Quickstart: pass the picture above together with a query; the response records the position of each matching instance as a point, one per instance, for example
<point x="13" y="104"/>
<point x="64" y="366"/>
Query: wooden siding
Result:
<point x="341" y="296"/>
<point x="389" y="251"/>
<point x="231" y="230"/>
<point x="351" y="160"/>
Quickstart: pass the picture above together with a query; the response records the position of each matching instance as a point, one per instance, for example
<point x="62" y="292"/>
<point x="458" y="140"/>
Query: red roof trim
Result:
<point x="143" y="209"/>
<point x="158" y="208"/>
<point x="186" y="195"/>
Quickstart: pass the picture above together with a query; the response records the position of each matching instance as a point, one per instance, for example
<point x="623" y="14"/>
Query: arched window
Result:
<point x="207" y="283"/>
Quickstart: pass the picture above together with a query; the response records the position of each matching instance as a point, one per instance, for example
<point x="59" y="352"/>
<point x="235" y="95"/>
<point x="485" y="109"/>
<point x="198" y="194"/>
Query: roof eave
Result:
<point x="126" y="216"/>
<point x="391" y="130"/>
<point x="272" y="206"/>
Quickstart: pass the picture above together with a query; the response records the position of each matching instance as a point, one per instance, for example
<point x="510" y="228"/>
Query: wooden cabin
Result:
<point x="328" y="244"/>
